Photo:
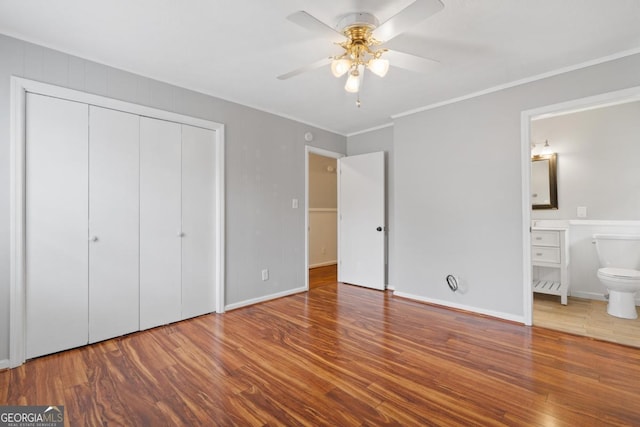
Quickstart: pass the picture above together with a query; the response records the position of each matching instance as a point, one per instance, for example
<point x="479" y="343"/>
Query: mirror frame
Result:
<point x="553" y="183"/>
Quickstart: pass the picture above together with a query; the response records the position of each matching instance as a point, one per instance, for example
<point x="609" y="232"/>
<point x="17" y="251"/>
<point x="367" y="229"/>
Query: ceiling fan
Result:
<point x="360" y="35"/>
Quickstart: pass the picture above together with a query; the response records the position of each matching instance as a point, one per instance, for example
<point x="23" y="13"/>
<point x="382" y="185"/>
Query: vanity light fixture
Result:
<point x="546" y="148"/>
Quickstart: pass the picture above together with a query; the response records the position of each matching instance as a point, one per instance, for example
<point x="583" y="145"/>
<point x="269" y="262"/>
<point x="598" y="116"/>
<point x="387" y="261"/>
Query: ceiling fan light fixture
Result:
<point x="340" y="66"/>
<point x="353" y="82"/>
<point x="378" y="66"/>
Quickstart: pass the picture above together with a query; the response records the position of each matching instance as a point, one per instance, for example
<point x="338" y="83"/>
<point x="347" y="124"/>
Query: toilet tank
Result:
<point x="618" y="250"/>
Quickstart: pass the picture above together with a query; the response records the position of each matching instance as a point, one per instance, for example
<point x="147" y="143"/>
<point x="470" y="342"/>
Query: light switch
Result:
<point x="294" y="203"/>
<point x="582" y="211"/>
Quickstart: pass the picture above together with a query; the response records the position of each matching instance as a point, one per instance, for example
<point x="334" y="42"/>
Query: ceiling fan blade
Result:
<point x="417" y="11"/>
<point x="410" y="62"/>
<point x="310" y="67"/>
<point x="313" y="24"/>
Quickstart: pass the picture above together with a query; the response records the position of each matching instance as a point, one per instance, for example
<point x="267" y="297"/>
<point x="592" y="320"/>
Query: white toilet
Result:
<point x="620" y="271"/>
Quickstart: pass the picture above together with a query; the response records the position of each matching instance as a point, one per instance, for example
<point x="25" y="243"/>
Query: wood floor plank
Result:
<point x="585" y="317"/>
<point x="337" y="355"/>
<point x="320" y="276"/>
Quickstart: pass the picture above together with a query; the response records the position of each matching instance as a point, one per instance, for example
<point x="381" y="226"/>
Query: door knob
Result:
<point x="379" y="228"/>
<point x="180" y="234"/>
<point x="94" y="239"/>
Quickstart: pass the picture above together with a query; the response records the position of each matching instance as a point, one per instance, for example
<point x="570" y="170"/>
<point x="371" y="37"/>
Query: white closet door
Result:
<point x="113" y="223"/>
<point x="160" y="222"/>
<point x="56" y="225"/>
<point x="361" y="211"/>
<point x="198" y="219"/>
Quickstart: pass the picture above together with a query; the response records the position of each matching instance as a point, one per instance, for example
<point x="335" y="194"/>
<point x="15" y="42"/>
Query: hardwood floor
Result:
<point x="320" y="276"/>
<point x="337" y="355"/>
<point x="584" y="317"/>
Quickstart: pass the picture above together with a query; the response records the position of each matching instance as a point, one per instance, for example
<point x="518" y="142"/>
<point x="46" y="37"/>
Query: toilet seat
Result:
<point x="620" y="273"/>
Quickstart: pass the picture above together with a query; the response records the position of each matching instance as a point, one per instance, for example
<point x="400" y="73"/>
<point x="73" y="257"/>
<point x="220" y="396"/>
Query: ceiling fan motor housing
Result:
<point x="358" y="19"/>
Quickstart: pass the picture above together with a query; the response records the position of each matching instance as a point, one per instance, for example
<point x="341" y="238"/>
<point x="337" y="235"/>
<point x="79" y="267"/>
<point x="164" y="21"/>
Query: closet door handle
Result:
<point x="180" y="234"/>
<point x="94" y="239"/>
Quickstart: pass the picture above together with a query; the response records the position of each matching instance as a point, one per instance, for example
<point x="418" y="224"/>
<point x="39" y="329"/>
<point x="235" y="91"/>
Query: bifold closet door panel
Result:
<point x="56" y="225"/>
<point x="113" y="223"/>
<point x="198" y="220"/>
<point x="160" y="222"/>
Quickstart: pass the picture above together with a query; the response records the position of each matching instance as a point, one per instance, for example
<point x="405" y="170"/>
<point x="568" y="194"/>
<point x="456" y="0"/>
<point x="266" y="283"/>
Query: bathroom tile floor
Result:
<point x="584" y="317"/>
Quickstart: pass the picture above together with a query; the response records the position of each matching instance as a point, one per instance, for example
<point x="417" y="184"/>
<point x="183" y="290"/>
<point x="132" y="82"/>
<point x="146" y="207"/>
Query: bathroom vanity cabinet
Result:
<point x="550" y="261"/>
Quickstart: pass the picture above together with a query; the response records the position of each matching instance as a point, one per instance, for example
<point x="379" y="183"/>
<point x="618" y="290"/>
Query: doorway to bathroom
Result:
<point x="595" y="143"/>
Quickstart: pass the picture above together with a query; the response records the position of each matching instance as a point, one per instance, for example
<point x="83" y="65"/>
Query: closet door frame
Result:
<point x="19" y="88"/>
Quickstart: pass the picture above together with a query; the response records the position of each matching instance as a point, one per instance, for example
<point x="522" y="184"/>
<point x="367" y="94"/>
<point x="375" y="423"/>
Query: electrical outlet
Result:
<point x="265" y="274"/>
<point x="294" y="203"/>
<point x="581" y="211"/>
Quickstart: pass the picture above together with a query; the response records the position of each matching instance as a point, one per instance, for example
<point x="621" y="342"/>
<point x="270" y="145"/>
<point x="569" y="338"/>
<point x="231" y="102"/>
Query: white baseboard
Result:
<point x="588" y="295"/>
<point x="595" y="296"/>
<point x="323" y="264"/>
<point x="449" y="304"/>
<point x="264" y="298"/>
<point x="4" y="364"/>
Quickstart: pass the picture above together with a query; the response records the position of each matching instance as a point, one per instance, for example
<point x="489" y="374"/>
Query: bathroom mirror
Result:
<point x="544" y="187"/>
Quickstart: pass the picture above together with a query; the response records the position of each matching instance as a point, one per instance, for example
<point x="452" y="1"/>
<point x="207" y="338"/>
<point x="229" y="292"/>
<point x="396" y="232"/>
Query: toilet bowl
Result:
<point x="619" y="272"/>
<point x="622" y="285"/>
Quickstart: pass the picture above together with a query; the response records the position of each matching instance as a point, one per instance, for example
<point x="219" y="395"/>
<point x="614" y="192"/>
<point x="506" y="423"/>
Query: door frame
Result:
<point x="597" y="101"/>
<point x="19" y="89"/>
<point x="321" y="152"/>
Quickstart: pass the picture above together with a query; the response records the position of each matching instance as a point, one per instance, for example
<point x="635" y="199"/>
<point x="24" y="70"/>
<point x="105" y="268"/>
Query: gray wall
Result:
<point x="458" y="196"/>
<point x="265" y="159"/>
<point x="598" y="154"/>
<point x="371" y="142"/>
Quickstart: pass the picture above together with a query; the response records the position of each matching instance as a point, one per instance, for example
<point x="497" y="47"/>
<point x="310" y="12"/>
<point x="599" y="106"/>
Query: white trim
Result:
<point x="220" y="214"/>
<point x="4" y="364"/>
<point x="323" y="264"/>
<point x="590" y="222"/>
<point x="448" y="304"/>
<point x="526" y="117"/>
<point x="595" y="296"/>
<point x="17" y="266"/>
<point x="19" y="89"/>
<point x="264" y="298"/>
<point x="588" y="295"/>
<point x="607" y="98"/>
<point x="360" y="132"/>
<point x="525" y="159"/>
<point x="526" y="80"/>
<point x="322" y="152"/>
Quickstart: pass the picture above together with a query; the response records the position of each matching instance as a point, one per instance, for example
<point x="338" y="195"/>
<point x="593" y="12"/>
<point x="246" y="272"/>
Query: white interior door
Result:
<point x="113" y="223"/>
<point x="160" y="222"/>
<point x="198" y="221"/>
<point x="56" y="225"/>
<point x="362" y="224"/>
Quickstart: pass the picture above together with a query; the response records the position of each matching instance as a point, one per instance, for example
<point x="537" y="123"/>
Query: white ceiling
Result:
<point x="235" y="49"/>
